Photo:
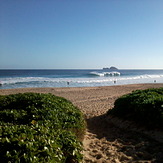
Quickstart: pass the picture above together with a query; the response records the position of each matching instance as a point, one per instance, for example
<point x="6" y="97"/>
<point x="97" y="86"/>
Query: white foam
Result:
<point x="18" y="82"/>
<point x="113" y="73"/>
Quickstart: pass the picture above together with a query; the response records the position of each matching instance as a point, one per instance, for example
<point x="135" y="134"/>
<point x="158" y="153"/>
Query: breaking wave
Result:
<point x="20" y="82"/>
<point x="105" y="73"/>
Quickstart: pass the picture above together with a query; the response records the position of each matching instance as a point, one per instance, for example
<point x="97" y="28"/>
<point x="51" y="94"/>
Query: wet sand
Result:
<point x="106" y="139"/>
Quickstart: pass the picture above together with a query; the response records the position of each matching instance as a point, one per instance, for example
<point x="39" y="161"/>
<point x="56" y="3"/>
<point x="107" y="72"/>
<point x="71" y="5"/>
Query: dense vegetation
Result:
<point x="145" y="107"/>
<point x="39" y="128"/>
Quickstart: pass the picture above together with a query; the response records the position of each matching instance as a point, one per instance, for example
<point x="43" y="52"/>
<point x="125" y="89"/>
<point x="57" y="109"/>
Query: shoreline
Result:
<point x="105" y="142"/>
<point x="150" y="85"/>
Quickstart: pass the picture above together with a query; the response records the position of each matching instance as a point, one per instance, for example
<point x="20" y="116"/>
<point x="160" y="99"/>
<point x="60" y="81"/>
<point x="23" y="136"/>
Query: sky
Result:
<point x="81" y="34"/>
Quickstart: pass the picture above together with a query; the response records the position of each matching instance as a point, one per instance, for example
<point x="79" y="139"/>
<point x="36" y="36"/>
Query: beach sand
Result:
<point x="106" y="140"/>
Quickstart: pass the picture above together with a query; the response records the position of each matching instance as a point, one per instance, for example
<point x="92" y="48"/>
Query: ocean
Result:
<point x="76" y="78"/>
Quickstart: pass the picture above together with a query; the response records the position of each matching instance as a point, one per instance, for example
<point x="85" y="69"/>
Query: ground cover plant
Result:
<point x="40" y="128"/>
<point x="145" y="107"/>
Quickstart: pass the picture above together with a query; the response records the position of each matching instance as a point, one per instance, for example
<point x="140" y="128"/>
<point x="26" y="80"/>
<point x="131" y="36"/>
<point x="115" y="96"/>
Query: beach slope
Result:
<point x="104" y="141"/>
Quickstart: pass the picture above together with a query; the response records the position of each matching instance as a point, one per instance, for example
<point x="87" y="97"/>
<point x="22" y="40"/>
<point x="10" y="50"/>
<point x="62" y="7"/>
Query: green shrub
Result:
<point x="40" y="128"/>
<point x="145" y="107"/>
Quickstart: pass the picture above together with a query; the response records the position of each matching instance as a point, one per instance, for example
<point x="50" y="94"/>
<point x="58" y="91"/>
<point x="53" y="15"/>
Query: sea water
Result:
<point x="76" y="78"/>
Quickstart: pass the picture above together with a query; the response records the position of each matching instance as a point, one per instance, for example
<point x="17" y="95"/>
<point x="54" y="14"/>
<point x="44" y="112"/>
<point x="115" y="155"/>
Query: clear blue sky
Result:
<point x="81" y="34"/>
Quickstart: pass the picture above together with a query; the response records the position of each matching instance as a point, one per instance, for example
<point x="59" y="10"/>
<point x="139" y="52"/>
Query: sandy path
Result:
<point x="104" y="142"/>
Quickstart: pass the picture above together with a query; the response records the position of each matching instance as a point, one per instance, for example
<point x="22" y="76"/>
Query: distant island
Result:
<point x="111" y="68"/>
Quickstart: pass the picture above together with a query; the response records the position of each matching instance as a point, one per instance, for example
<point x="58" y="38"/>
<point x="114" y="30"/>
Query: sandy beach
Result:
<point x="104" y="141"/>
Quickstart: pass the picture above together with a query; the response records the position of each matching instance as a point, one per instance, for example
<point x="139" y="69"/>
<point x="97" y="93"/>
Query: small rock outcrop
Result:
<point x="111" y="68"/>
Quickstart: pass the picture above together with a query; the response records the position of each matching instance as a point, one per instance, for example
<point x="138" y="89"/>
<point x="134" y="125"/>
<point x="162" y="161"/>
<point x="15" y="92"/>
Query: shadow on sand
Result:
<point x="132" y="144"/>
